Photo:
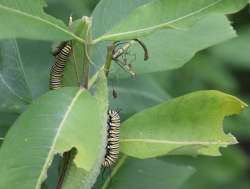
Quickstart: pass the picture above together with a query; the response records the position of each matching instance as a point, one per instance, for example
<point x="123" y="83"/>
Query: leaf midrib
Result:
<point x="105" y="36"/>
<point x="51" y="151"/>
<point x="157" y="141"/>
<point x="16" y="11"/>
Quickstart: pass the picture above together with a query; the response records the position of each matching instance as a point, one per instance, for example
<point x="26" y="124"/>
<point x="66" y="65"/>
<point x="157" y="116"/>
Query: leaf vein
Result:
<point x="51" y="151"/>
<point x="218" y="142"/>
<point x="41" y="20"/>
<point x="159" y="25"/>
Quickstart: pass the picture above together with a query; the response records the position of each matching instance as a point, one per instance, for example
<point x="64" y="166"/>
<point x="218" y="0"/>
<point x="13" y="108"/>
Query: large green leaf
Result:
<point x="146" y="174"/>
<point x="15" y="92"/>
<point x="189" y="124"/>
<point x="78" y="177"/>
<point x="161" y="14"/>
<point x="55" y="123"/>
<point x="171" y="49"/>
<point x="28" y="20"/>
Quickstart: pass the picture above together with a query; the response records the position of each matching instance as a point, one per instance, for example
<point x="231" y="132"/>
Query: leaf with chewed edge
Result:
<point x="54" y="123"/>
<point x="190" y="124"/>
<point x="77" y="177"/>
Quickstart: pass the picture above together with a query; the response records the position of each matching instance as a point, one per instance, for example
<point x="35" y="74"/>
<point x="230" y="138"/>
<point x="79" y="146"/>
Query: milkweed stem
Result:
<point x="87" y="47"/>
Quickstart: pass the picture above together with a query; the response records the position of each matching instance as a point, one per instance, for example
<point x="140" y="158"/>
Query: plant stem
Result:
<point x="108" y="59"/>
<point x="114" y="171"/>
<point x="66" y="160"/>
<point x="86" y="70"/>
<point x="87" y="46"/>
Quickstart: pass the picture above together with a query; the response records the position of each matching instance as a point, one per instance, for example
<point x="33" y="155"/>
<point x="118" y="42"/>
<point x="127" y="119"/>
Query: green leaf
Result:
<point x="162" y="14"/>
<point x="185" y="125"/>
<point x="231" y="51"/>
<point x="202" y="72"/>
<point x="15" y="92"/>
<point x="19" y="20"/>
<point x="109" y="13"/>
<point x="57" y="122"/>
<point x="146" y="174"/>
<point x="63" y="8"/>
<point x="37" y="61"/>
<point x="77" y="177"/>
<point x="171" y="49"/>
<point x="135" y="94"/>
<point x="73" y="72"/>
<point x="6" y="120"/>
<point x="226" y="171"/>
<point x="239" y="126"/>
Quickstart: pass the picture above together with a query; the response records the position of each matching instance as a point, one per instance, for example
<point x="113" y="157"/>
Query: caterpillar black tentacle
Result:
<point x="146" y="55"/>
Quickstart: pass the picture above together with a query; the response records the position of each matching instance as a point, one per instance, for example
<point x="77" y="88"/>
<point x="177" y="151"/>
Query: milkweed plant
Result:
<point x="56" y="131"/>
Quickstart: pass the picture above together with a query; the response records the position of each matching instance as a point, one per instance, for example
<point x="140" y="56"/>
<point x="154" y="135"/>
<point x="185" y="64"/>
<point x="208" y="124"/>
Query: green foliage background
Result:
<point x="224" y="67"/>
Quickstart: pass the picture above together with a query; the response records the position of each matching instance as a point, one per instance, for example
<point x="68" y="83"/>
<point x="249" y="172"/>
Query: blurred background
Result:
<point x="225" y="67"/>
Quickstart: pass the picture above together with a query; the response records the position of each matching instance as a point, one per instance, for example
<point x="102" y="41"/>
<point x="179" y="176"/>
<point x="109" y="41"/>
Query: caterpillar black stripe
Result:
<point x="61" y="58"/>
<point x="112" y="148"/>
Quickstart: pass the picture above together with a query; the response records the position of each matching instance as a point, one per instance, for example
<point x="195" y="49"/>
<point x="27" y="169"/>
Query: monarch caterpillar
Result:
<point x="113" y="130"/>
<point x="61" y="54"/>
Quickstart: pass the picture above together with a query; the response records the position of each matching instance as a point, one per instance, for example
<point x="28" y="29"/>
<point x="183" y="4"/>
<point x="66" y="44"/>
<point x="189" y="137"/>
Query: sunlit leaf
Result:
<point x="189" y="124"/>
